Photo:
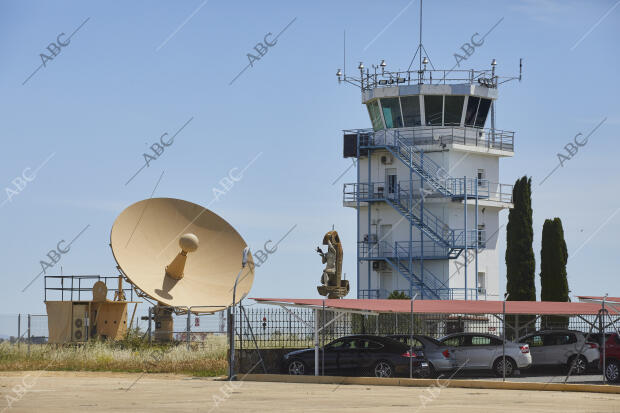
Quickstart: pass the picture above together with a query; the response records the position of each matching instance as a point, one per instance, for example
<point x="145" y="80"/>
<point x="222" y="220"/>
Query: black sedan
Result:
<point x="359" y="355"/>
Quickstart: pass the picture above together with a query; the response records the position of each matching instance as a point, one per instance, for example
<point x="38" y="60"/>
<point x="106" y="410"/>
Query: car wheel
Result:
<point x="296" y="368"/>
<point x="612" y="372"/>
<point x="383" y="369"/>
<point x="498" y="367"/>
<point x="580" y="367"/>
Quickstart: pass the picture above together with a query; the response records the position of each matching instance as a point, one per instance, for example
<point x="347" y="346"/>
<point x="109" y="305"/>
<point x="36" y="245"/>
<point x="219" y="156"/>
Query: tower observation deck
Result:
<point x="427" y="193"/>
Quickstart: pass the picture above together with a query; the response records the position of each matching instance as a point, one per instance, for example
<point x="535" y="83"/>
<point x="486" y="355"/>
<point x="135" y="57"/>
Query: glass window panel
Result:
<point x="391" y="113"/>
<point x="480" y="341"/>
<point x="454" y="110"/>
<point x="483" y="110"/>
<point x="453" y="341"/>
<point x="472" y="109"/>
<point x="433" y="109"/>
<point x="375" y="115"/>
<point x="411" y="111"/>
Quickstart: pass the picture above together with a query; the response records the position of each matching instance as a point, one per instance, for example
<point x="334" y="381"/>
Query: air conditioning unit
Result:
<point x="379" y="266"/>
<point x="370" y="238"/>
<point x="387" y="160"/>
<point x="79" y="325"/>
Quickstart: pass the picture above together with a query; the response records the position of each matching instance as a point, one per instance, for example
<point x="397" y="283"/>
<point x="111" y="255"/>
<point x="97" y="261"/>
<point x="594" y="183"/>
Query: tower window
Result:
<point x="375" y="115"/>
<point x="481" y="234"/>
<point x="391" y="113"/>
<point x="411" y="110"/>
<point x="454" y="110"/>
<point x="472" y="109"/>
<point x="483" y="110"/>
<point x="482" y="282"/>
<point x="433" y="109"/>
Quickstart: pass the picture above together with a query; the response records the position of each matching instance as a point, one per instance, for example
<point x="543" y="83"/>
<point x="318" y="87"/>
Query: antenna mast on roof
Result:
<point x="421" y="47"/>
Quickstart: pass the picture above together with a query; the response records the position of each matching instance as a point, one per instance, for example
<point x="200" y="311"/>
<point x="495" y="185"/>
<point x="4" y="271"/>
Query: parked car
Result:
<point x="597" y="337"/>
<point x="612" y="359"/>
<point x="561" y="348"/>
<point x="359" y="354"/>
<point x="439" y="356"/>
<point x="474" y="351"/>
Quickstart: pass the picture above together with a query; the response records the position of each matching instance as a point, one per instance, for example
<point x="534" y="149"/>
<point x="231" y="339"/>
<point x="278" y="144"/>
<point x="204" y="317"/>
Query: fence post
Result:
<point x="19" y="328"/>
<point x="28" y="335"/>
<point x="316" y="342"/>
<point x="411" y="342"/>
<point x="150" y="324"/>
<point x="323" y="343"/>
<point x="504" y="338"/>
<point x="189" y="314"/>
<point x="604" y="338"/>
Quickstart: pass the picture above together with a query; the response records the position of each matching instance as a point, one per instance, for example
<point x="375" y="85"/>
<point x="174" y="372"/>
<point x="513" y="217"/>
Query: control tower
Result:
<point x="427" y="194"/>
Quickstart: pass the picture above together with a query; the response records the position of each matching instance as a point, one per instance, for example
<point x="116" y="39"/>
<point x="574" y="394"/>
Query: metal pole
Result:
<point x="465" y="230"/>
<point x="370" y="188"/>
<point x="189" y="314"/>
<point x="504" y="341"/>
<point x="323" y="343"/>
<point x="316" y="342"/>
<point x="359" y="218"/>
<point x="246" y="251"/>
<point x="19" y="329"/>
<point x="422" y="217"/>
<point x="231" y="342"/>
<point x="476" y="227"/>
<point x="150" y="319"/>
<point x="411" y="338"/>
<point x="28" y="335"/>
<point x="603" y="339"/>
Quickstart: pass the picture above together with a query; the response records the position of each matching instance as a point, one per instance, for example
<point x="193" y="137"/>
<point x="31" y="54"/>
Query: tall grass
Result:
<point x="206" y="358"/>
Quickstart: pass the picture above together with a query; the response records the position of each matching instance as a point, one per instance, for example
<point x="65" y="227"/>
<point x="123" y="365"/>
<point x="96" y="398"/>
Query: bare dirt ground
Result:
<point x="86" y="391"/>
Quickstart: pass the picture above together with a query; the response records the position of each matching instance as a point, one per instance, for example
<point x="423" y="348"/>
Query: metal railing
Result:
<point x="71" y="287"/>
<point x="399" y="198"/>
<point x="445" y="135"/>
<point x="492" y="191"/>
<point x="397" y="258"/>
<point x="368" y="81"/>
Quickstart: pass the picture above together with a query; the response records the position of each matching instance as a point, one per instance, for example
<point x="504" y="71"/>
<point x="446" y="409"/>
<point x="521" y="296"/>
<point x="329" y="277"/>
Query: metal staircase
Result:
<point x="413" y="157"/>
<point x="448" y="243"/>
<point x="429" y="285"/>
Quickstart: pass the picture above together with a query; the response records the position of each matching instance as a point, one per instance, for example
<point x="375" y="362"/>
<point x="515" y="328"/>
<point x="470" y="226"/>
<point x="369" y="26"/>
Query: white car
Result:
<point x="474" y="351"/>
<point x="561" y="348"/>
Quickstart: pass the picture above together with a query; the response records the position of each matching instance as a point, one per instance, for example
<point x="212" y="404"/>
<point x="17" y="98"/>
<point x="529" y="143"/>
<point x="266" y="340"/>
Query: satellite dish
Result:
<point x="181" y="254"/>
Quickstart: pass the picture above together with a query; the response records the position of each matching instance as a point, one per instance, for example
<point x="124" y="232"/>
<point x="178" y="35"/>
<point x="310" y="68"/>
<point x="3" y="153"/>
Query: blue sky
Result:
<point x="137" y="70"/>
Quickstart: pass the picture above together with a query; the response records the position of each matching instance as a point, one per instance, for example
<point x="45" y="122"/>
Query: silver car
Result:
<point x="475" y="351"/>
<point x="561" y="348"/>
<point x="440" y="357"/>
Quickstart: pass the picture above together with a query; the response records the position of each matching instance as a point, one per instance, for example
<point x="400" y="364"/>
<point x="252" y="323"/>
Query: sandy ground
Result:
<point x="82" y="391"/>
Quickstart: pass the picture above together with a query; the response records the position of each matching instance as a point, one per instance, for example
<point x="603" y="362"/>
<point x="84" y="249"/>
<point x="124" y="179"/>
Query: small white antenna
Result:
<point x="344" y="53"/>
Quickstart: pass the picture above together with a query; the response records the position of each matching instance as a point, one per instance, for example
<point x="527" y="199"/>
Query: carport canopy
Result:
<point x="590" y="306"/>
<point x="445" y="306"/>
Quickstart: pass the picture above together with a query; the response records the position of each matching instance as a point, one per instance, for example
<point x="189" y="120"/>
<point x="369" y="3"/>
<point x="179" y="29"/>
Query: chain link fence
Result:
<point x="294" y="328"/>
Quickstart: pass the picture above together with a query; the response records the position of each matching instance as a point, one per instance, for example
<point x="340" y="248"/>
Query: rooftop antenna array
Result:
<point x="368" y="80"/>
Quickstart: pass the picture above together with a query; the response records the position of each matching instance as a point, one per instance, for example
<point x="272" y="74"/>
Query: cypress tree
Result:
<point x="553" y="259"/>
<point x="520" y="259"/>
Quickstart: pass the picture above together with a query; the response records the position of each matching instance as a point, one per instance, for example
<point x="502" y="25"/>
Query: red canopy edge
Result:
<point x="445" y="306"/>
